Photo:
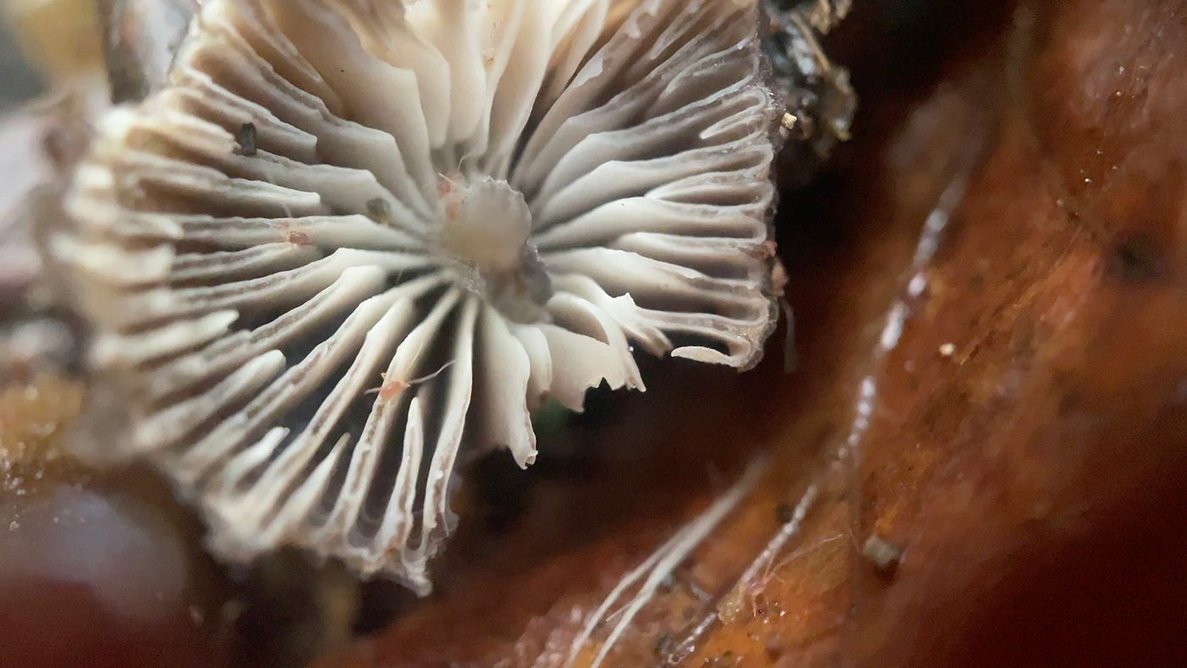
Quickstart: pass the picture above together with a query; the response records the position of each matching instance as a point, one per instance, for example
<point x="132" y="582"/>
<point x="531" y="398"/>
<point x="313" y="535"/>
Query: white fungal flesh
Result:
<point x="351" y="243"/>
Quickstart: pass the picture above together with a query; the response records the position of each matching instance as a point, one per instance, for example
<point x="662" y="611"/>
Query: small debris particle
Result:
<point x="947" y="350"/>
<point x="246" y="138"/>
<point x="299" y="238"/>
<point x="778" y="279"/>
<point x="885" y="556"/>
<point x="665" y="645"/>
<point x="770" y="249"/>
<point x="778" y="609"/>
<point x="380" y="210"/>
<point x="730" y="606"/>
<point x="726" y="660"/>
<point x="784" y="513"/>
<point x="758" y="606"/>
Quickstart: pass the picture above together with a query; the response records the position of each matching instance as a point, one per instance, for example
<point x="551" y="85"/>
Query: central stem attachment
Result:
<point x="487" y="223"/>
<point x="485" y="228"/>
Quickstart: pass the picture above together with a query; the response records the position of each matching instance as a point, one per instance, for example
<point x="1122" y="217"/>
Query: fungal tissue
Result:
<point x="346" y="246"/>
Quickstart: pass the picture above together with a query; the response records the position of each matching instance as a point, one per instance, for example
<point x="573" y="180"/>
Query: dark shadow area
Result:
<point x="18" y="81"/>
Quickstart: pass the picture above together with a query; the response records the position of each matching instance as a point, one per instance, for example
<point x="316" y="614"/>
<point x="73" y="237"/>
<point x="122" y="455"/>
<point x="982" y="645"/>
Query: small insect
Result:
<point x="391" y="388"/>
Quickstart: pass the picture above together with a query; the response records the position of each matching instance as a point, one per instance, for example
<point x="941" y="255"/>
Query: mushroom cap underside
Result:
<point x="351" y="242"/>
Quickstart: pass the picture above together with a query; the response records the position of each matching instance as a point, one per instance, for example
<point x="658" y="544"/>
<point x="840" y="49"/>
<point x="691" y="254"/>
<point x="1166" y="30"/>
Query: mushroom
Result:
<point x="351" y="244"/>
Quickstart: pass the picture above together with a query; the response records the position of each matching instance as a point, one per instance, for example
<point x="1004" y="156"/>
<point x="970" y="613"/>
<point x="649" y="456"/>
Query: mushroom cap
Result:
<point x="350" y="242"/>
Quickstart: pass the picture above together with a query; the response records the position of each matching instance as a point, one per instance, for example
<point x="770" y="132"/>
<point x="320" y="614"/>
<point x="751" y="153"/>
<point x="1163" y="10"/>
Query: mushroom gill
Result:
<point x="352" y="242"/>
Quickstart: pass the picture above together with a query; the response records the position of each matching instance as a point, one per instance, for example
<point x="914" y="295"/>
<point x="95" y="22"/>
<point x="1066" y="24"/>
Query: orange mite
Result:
<point x="391" y="389"/>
